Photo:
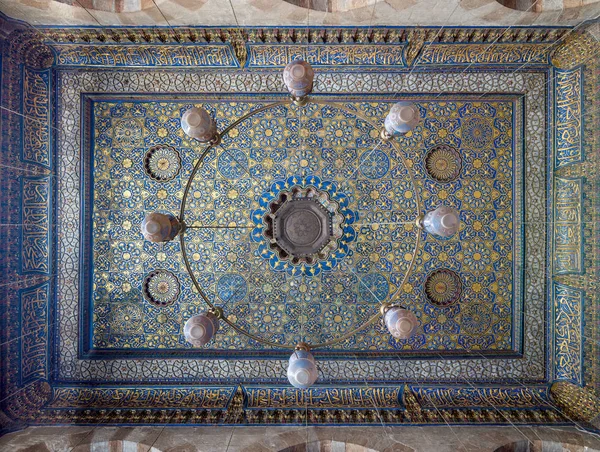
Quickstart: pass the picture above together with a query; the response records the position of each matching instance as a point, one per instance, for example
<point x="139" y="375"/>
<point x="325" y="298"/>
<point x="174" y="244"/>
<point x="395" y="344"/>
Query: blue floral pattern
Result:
<point x="330" y="147"/>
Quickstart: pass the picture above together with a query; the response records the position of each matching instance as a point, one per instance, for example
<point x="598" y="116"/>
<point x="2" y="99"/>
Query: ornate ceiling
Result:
<point x="503" y="307"/>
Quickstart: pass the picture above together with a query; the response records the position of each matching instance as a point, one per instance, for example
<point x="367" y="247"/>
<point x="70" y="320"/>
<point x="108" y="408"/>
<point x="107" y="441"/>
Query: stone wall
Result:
<point x="296" y="439"/>
<point x="286" y="13"/>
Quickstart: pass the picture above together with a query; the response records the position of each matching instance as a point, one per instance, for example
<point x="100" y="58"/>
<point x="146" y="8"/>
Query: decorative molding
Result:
<point x="578" y="48"/>
<point x="303" y="35"/>
<point x="568" y="329"/>
<point x="577" y="402"/>
<point x="273" y="371"/>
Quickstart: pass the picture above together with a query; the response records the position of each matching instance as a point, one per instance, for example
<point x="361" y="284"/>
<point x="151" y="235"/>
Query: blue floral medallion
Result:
<point x="332" y="201"/>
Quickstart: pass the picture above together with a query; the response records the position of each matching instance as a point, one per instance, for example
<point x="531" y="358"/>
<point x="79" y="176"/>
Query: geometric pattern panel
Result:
<point x="333" y="146"/>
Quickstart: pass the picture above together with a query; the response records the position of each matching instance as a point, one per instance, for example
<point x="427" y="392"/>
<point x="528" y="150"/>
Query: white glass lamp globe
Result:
<point x="443" y="221"/>
<point x="298" y="77"/>
<point x="400" y="322"/>
<point x="201" y="328"/>
<point x="302" y="369"/>
<point x="402" y="118"/>
<point x="159" y="227"/>
<point x="198" y="124"/>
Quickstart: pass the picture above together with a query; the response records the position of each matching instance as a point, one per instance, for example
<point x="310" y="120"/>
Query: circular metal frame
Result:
<point x="222" y="315"/>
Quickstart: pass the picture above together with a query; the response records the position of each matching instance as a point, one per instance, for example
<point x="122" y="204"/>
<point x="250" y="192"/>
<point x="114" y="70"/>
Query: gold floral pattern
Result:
<point x="443" y="163"/>
<point x="162" y="163"/>
<point x="443" y="287"/>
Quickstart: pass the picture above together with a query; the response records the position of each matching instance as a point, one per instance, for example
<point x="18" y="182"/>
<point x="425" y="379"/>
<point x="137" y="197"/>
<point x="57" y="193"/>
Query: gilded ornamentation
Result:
<point x="161" y="288"/>
<point x="568" y="346"/>
<point x="443" y="163"/>
<point x="477" y="133"/>
<point x="476" y="319"/>
<point x="579" y="47"/>
<point x="283" y="150"/>
<point x="443" y="287"/>
<point x="568" y="230"/>
<point x="416" y="39"/>
<point x="34" y="309"/>
<point x="279" y="55"/>
<point x="488" y="223"/>
<point x="26" y="404"/>
<point x="126" y="319"/>
<point x="36" y="195"/>
<point x="36" y="117"/>
<point x="128" y="133"/>
<point x="577" y="402"/>
<point x="568" y="117"/>
<point x="465" y="397"/>
<point x="484" y="54"/>
<point x="162" y="163"/>
<point x="330" y="198"/>
<point x="72" y="367"/>
<point x="216" y="397"/>
<point x="205" y="55"/>
<point x="289" y="397"/>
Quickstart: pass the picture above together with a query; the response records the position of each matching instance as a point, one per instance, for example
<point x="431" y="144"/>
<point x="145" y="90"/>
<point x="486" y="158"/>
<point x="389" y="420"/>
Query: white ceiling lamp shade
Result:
<point x="302" y="369"/>
<point x="201" y="328"/>
<point x="160" y="227"/>
<point x="298" y="77"/>
<point x="400" y="322"/>
<point x="402" y="118"/>
<point x="199" y="124"/>
<point x="442" y="222"/>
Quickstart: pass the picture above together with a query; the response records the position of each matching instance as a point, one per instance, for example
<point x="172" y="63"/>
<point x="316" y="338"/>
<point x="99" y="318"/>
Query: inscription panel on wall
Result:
<point x="568" y="321"/>
<point x="569" y="117"/>
<point x="35" y="220"/>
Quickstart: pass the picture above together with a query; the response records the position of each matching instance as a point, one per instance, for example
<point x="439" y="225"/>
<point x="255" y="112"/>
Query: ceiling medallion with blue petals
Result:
<point x="443" y="163"/>
<point x="303" y="226"/>
<point x="443" y="287"/>
<point x="162" y="163"/>
<point x="161" y="288"/>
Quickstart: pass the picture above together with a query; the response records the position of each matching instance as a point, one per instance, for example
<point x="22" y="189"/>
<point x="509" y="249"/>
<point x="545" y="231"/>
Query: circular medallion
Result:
<point x="128" y="133"/>
<point x="162" y="163"/>
<point x="374" y="164"/>
<point x="477" y="133"/>
<point x="374" y="288"/>
<point x="476" y="319"/>
<point x="161" y="288"/>
<point x="443" y="287"/>
<point x="443" y="163"/>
